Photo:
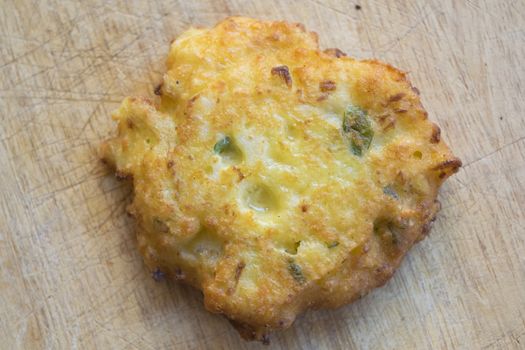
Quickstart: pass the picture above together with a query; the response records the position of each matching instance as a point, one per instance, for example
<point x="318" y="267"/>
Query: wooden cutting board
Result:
<point x="70" y="276"/>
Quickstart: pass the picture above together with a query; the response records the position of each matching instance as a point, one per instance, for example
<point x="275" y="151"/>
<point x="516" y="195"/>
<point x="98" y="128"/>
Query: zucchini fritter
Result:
<point x="274" y="176"/>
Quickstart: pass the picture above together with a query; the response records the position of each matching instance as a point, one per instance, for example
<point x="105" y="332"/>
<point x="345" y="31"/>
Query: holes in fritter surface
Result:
<point x="228" y="149"/>
<point x="260" y="198"/>
<point x="292" y="247"/>
<point x="167" y="104"/>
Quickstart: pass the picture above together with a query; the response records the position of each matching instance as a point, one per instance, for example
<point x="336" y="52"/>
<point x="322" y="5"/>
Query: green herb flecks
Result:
<point x="389" y="191"/>
<point x="296" y="272"/>
<point x="358" y="129"/>
<point x="229" y="151"/>
<point x="222" y="145"/>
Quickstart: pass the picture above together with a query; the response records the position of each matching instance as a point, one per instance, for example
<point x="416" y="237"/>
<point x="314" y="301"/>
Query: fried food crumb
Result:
<point x="276" y="177"/>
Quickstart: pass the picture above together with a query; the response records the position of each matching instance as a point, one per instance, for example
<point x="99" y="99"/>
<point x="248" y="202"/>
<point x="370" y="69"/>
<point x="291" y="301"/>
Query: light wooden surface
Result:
<point x="70" y="276"/>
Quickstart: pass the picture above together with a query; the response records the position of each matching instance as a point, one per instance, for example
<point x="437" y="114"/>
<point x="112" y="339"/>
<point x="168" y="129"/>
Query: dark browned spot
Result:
<point x="283" y="73"/>
<point x="238" y="270"/>
<point x="158" y="90"/>
<point x="239" y="173"/>
<point x="358" y="7"/>
<point x="381" y="269"/>
<point x="170" y="164"/>
<point x="327" y="85"/>
<point x="427" y="226"/>
<point x="382" y="118"/>
<point x="304" y="208"/>
<point x="396" y="97"/>
<point x="401" y="178"/>
<point x="400" y="110"/>
<point x="192" y="100"/>
<point x="265" y="339"/>
<point x="450" y="164"/>
<point x="436" y="134"/>
<point x="335" y="52"/>
<point x="322" y="97"/>
<point x="301" y="27"/>
<point x="189" y="104"/>
<point x="300" y="95"/>
<point x="130" y="123"/>
<point x="179" y="274"/>
<point x="387" y="122"/>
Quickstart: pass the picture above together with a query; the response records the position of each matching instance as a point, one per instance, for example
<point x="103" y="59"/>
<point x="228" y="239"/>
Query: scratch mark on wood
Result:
<point x="499" y="149"/>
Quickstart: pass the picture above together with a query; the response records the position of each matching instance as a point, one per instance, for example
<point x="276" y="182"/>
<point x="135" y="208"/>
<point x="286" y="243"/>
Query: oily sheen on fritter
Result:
<point x="274" y="176"/>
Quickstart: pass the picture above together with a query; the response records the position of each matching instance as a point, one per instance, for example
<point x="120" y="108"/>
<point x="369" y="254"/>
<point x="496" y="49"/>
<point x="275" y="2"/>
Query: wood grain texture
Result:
<point x="70" y="276"/>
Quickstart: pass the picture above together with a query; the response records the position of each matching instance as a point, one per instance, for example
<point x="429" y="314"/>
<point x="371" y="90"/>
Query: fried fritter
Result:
<point x="274" y="176"/>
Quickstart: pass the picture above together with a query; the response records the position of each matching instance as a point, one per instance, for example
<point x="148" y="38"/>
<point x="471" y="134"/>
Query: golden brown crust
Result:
<point x="276" y="177"/>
